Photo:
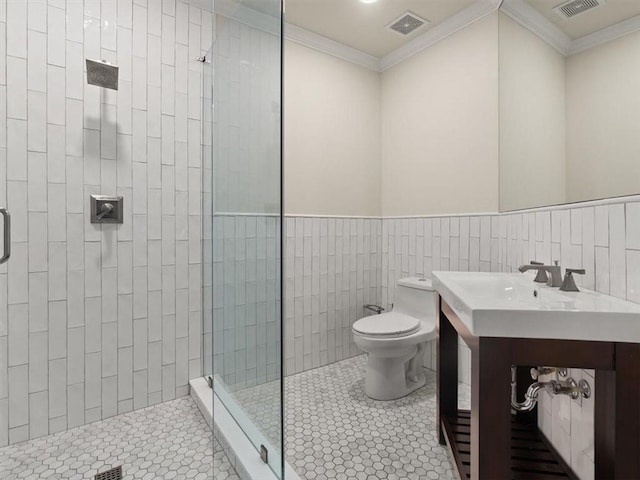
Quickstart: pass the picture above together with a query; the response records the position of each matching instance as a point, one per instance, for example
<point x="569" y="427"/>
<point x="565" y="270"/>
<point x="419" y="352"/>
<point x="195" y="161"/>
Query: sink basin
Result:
<point x="512" y="305"/>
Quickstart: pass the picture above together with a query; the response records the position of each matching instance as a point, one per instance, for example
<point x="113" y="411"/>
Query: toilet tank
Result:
<point x="414" y="296"/>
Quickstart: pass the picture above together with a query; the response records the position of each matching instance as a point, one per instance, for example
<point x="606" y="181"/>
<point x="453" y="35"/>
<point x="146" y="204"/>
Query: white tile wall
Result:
<point x="244" y="300"/>
<point x="98" y="320"/>
<point x="241" y="272"/>
<point x="419" y="245"/>
<point x="332" y="269"/>
<point x="247" y="132"/>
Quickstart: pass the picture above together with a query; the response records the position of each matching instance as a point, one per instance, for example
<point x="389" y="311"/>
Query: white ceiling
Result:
<point x="610" y="13"/>
<point x="363" y="26"/>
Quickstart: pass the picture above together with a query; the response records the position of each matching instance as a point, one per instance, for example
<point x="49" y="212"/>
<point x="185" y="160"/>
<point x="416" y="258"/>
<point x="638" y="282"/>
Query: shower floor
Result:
<point x="167" y="441"/>
<point x="334" y="431"/>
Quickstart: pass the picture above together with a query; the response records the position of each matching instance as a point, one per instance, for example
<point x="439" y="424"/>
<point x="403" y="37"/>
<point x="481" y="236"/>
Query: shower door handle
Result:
<point x="7" y="235"/>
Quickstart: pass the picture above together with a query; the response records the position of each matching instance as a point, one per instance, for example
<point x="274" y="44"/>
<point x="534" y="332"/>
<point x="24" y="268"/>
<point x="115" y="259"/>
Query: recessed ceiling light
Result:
<point x="368" y="1"/>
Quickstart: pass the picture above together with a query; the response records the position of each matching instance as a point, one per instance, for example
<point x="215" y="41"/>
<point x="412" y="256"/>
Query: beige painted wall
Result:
<point x="332" y="135"/>
<point x="603" y="120"/>
<point x="532" y="119"/>
<point x="440" y="126"/>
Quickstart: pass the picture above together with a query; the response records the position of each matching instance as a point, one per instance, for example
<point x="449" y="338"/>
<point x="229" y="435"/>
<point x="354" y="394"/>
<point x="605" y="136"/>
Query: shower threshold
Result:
<point x="240" y="451"/>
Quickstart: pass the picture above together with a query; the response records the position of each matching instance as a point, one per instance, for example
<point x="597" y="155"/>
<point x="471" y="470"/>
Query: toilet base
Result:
<point x="392" y="378"/>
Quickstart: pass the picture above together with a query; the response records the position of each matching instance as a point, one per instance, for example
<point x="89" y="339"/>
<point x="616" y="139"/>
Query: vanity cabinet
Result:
<point x="488" y="443"/>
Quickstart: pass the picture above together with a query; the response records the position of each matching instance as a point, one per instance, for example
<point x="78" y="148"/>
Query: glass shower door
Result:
<point x="246" y="211"/>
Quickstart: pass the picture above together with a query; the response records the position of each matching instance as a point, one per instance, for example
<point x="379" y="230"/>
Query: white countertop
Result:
<point x="512" y="305"/>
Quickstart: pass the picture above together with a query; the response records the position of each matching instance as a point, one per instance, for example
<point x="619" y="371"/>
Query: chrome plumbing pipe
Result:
<point x="530" y="397"/>
<point x="568" y="387"/>
<point x="537" y="372"/>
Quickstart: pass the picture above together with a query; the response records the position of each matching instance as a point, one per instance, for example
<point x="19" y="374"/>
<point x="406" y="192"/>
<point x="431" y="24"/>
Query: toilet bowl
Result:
<point x="395" y="341"/>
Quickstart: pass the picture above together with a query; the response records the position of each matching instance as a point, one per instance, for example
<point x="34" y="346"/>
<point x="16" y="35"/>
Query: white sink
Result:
<point x="512" y="305"/>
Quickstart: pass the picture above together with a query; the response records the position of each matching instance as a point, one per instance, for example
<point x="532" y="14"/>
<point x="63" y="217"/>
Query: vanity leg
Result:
<point x="617" y="416"/>
<point x="447" y="372"/>
<point x="491" y="409"/>
<point x="604" y="424"/>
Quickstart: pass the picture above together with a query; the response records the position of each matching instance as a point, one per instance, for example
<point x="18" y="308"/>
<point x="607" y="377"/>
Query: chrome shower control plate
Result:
<point x="106" y="209"/>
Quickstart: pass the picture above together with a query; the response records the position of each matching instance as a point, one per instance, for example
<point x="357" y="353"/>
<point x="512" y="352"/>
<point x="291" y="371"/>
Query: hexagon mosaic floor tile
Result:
<point x="334" y="431"/>
<point x="166" y="441"/>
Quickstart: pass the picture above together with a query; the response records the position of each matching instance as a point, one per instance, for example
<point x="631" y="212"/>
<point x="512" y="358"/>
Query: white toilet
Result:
<point x="395" y="341"/>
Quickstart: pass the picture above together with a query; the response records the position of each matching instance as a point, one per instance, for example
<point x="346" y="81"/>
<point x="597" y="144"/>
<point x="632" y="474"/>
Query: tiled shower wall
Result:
<point x="245" y="297"/>
<point x="602" y="238"/>
<point x="241" y="274"/>
<point x="332" y="268"/>
<point x="98" y="320"/>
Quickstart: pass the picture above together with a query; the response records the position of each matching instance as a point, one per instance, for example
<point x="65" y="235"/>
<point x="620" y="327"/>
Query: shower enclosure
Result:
<point x="242" y="226"/>
<point x="141" y="168"/>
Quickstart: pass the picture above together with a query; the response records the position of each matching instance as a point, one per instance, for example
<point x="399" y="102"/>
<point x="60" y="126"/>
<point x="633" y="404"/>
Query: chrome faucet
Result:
<point x="555" y="275"/>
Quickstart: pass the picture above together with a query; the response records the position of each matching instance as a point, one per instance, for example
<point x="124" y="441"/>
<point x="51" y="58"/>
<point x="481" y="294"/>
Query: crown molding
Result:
<point x="534" y="21"/>
<point x="537" y="23"/>
<point x="518" y="10"/>
<point x="331" y="47"/>
<point x="294" y="33"/>
<point x="605" y="35"/>
<point x="438" y="32"/>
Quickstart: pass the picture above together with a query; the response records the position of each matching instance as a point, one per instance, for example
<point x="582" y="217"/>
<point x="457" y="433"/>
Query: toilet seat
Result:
<point x="387" y="325"/>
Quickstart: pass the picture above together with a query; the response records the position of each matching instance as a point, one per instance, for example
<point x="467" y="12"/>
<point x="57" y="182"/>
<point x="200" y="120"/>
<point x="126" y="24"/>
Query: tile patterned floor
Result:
<point x="166" y="441"/>
<point x="334" y="431"/>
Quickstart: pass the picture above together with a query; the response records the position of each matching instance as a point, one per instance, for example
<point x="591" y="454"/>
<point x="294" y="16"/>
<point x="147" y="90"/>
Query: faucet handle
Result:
<point x="579" y="271"/>
<point x="569" y="284"/>
<point x="541" y="275"/>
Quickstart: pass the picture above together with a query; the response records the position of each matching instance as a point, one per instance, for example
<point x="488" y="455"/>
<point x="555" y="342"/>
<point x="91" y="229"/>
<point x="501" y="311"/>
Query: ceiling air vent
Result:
<point x="407" y="23"/>
<point x="576" y="7"/>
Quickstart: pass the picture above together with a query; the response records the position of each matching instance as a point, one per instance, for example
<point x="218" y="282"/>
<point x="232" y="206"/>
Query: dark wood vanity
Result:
<point x="489" y="443"/>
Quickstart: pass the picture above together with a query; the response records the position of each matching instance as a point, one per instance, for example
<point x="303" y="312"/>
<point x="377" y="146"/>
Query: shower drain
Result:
<point x="112" y="474"/>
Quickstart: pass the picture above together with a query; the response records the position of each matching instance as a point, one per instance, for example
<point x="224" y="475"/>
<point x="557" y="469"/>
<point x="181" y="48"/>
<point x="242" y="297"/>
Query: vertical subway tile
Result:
<point x="168" y="39"/>
<point x="16" y="150"/>
<point x="17" y="29"/>
<point x="37" y="17"/>
<point x="633" y="225"/>
<point x="602" y="226"/>
<point x="37" y="61"/>
<point x="75" y="21"/>
<point x="617" y="257"/>
<point x="18" y="395"/>
<point x="56" y="36"/>
<point x="56" y="155"/>
<point x="108" y="9"/>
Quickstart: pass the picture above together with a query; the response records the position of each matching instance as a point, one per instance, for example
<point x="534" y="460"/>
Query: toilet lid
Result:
<point x="387" y="324"/>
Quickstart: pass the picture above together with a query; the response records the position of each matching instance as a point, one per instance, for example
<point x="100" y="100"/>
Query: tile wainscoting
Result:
<point x="601" y="237"/>
<point x="332" y="269"/>
<point x="320" y="305"/>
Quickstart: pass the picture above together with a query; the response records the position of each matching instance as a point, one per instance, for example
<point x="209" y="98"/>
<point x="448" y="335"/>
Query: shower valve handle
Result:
<point x="105" y="209"/>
